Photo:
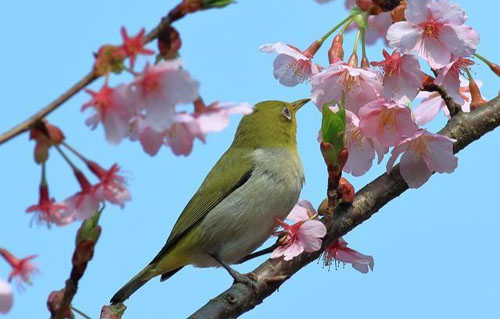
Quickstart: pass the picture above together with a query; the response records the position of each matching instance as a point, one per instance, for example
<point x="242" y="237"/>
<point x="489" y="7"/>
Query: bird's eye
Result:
<point x="286" y="113"/>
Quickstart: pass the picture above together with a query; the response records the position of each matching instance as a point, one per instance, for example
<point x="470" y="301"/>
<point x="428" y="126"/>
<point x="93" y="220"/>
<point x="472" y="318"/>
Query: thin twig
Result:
<point x="453" y="107"/>
<point x="238" y="299"/>
<point x="77" y="87"/>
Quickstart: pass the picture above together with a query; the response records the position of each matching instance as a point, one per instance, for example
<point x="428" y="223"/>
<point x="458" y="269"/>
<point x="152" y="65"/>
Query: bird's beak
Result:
<point x="298" y="104"/>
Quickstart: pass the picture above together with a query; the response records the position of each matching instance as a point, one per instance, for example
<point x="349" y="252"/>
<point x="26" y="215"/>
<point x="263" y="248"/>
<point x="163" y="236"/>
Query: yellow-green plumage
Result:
<point x="259" y="178"/>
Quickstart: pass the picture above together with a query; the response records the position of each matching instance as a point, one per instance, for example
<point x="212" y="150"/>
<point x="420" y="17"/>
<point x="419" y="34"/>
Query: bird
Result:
<point x="258" y="179"/>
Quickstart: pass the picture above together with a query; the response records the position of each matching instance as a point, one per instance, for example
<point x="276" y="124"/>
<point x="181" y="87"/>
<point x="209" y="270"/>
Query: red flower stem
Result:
<point x="72" y="150"/>
<point x="66" y="159"/>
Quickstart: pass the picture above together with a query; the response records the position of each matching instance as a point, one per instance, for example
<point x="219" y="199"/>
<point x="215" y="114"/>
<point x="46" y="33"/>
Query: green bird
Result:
<point x="258" y="179"/>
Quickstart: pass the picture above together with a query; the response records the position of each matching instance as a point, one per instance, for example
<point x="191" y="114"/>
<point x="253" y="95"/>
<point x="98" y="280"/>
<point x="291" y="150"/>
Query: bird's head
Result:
<point x="271" y="124"/>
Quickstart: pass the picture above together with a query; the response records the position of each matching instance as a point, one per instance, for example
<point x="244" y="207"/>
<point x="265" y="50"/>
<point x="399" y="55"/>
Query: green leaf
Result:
<point x="333" y="131"/>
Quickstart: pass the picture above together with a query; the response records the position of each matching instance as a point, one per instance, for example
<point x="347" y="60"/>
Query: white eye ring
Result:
<point x="286" y="113"/>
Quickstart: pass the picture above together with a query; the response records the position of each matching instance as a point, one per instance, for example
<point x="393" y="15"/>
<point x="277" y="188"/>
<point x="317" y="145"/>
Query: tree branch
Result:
<point x="238" y="299"/>
<point x="452" y="106"/>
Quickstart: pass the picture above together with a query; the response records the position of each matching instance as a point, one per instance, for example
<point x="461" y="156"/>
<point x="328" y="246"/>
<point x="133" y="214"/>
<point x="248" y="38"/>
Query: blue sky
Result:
<point x="435" y="248"/>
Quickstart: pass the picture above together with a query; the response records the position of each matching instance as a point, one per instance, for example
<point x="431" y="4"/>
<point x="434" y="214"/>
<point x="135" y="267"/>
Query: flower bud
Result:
<point x="476" y="98"/>
<point x="109" y="58"/>
<point x="336" y="52"/>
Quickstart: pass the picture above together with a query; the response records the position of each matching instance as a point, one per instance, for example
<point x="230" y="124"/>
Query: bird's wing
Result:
<point x="218" y="184"/>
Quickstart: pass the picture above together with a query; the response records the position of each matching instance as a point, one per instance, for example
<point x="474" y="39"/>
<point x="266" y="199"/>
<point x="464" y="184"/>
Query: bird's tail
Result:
<point x="135" y="283"/>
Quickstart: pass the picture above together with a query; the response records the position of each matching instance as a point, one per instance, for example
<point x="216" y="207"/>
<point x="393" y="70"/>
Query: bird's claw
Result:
<point x="249" y="280"/>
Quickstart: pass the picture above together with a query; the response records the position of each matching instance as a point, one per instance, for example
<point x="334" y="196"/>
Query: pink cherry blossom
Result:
<point x="181" y="135"/>
<point x="160" y="88"/>
<point x="114" y="107"/>
<point x="133" y="46"/>
<point x="361" y="149"/>
<point x="22" y="269"/>
<point x="386" y="122"/>
<point x="430" y="106"/>
<point x="6" y="297"/>
<point x="401" y="76"/>
<point x="291" y="66"/>
<point x="339" y="252"/>
<point x="151" y="139"/>
<point x="111" y="186"/>
<point x="83" y="204"/>
<point x="215" y="117"/>
<point x="432" y="103"/>
<point x="360" y="86"/>
<point x="423" y="154"/>
<point x="436" y="30"/>
<point x="304" y="235"/>
<point x="449" y="78"/>
<point x="47" y="210"/>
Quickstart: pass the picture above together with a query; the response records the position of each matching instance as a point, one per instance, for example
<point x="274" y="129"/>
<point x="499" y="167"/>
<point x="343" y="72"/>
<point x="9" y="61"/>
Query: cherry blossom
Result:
<point x="436" y="30"/>
<point x="160" y="88"/>
<point x="339" y="252"/>
<point x="151" y="139"/>
<point x="401" y="76"/>
<point x="449" y="78"/>
<point x="304" y="235"/>
<point x="83" y="204"/>
<point x="386" y="122"/>
<point x="47" y="210"/>
<point x="215" y="117"/>
<point x="111" y="185"/>
<point x="423" y="154"/>
<point x="361" y="149"/>
<point x="291" y="66"/>
<point x="6" y="296"/>
<point x="114" y="108"/>
<point x="360" y="86"/>
<point x="133" y="46"/>
<point x="22" y="269"/>
<point x="181" y="135"/>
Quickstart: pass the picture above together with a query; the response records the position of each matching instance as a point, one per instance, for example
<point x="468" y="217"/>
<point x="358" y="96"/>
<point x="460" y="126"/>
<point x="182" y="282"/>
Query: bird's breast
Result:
<point x="245" y="219"/>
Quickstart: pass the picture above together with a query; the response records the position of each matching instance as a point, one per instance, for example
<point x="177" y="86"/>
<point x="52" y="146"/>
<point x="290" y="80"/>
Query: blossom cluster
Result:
<point x="306" y="235"/>
<point x="110" y="186"/>
<point x="144" y="109"/>
<point x="378" y="97"/>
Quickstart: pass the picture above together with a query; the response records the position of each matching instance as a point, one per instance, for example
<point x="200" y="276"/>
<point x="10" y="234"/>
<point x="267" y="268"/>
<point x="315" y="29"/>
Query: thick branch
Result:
<point x="238" y="299"/>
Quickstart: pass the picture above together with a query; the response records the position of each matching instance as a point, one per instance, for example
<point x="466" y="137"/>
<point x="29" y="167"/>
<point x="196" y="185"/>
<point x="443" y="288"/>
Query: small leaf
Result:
<point x="333" y="132"/>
